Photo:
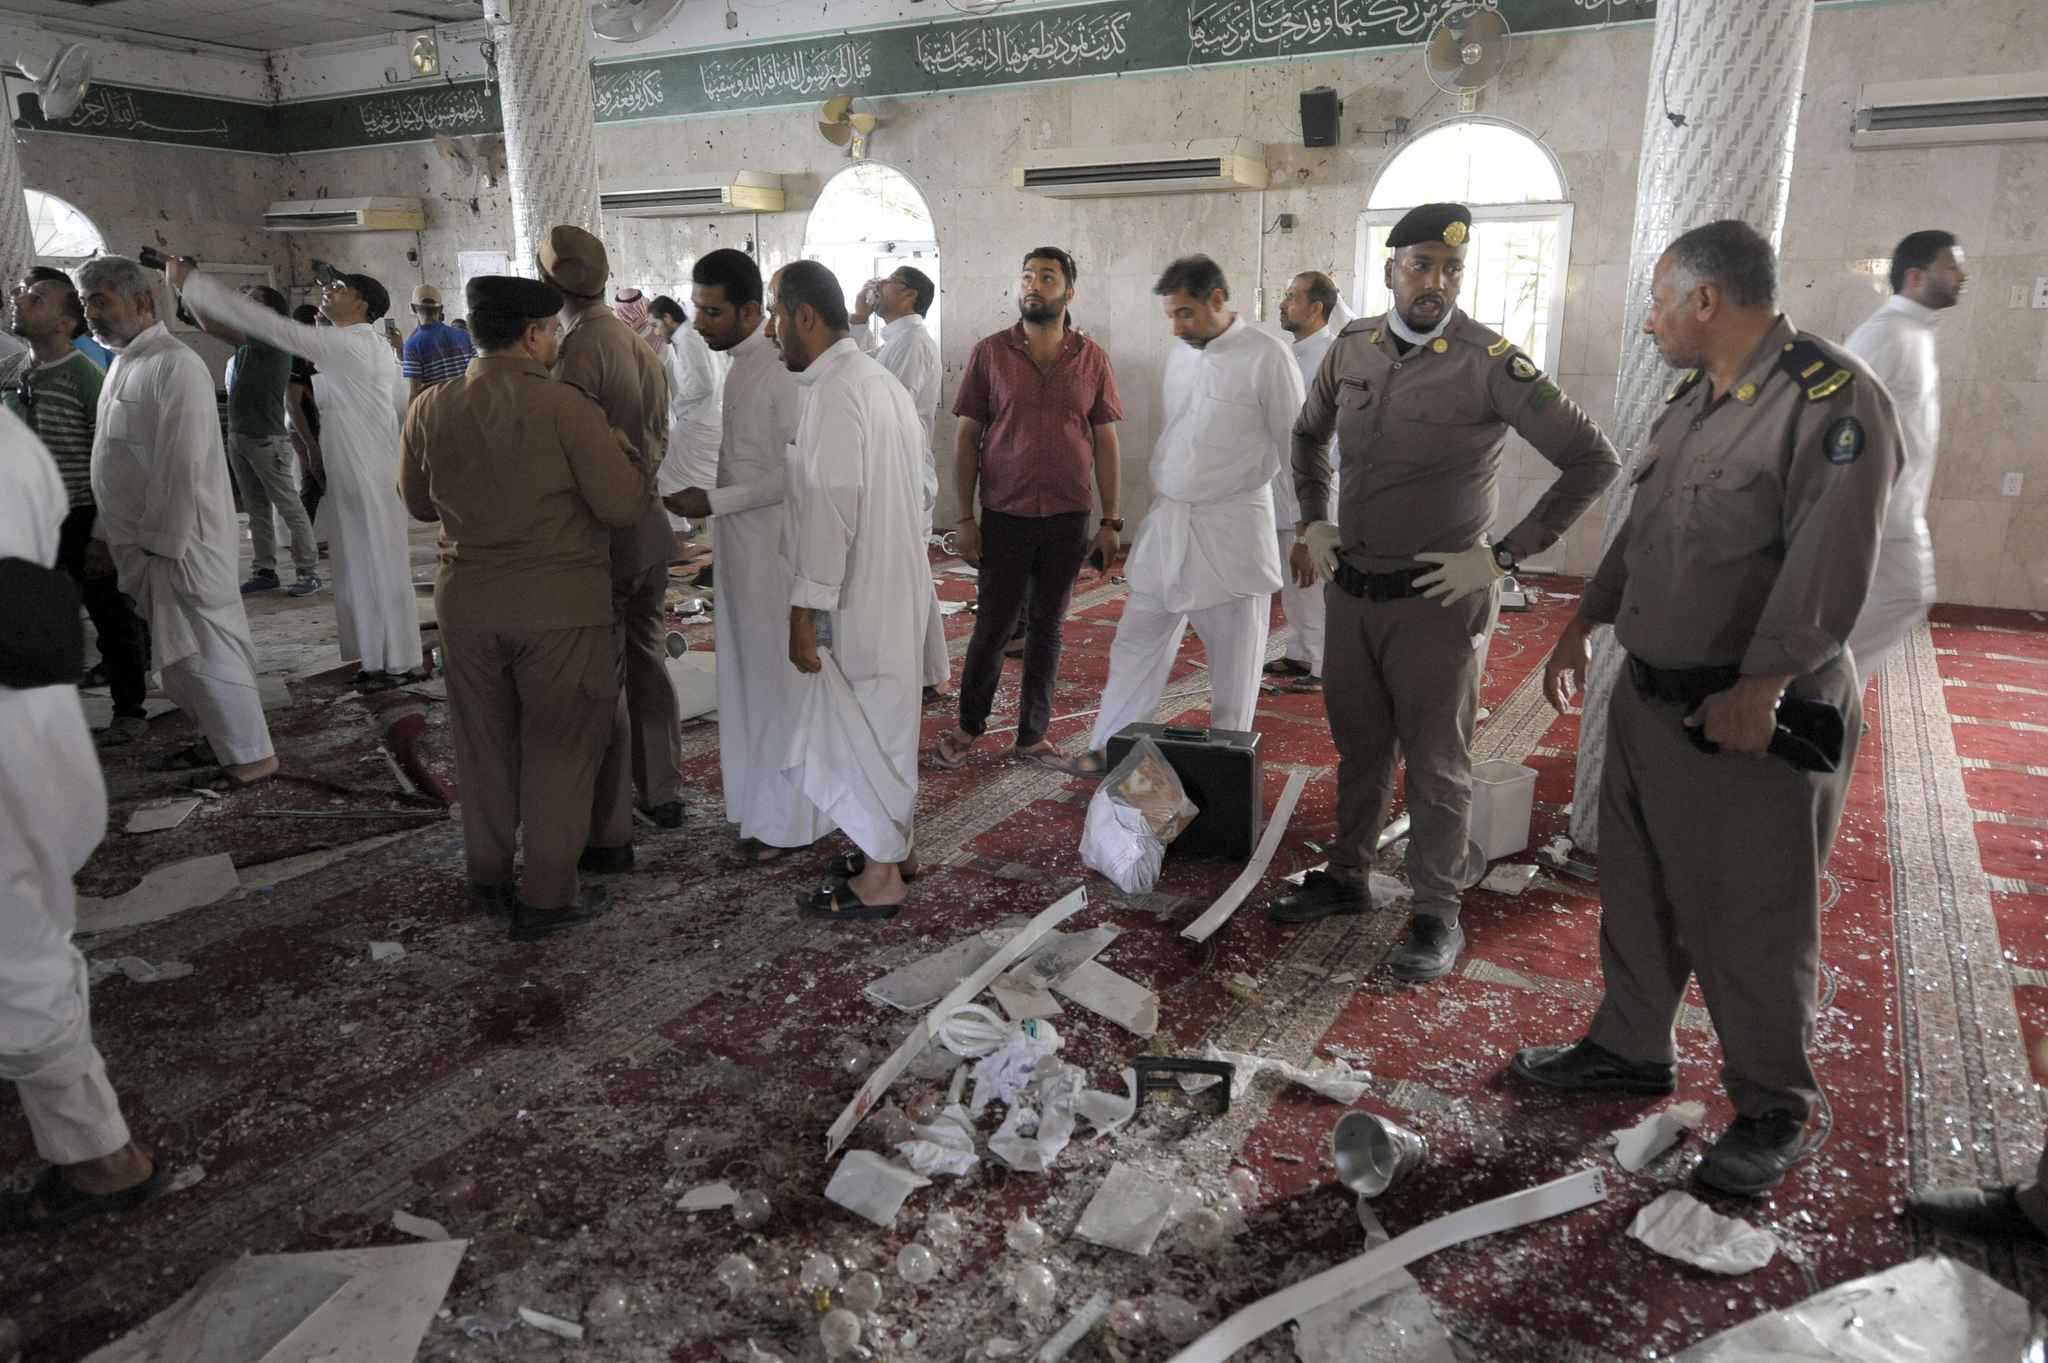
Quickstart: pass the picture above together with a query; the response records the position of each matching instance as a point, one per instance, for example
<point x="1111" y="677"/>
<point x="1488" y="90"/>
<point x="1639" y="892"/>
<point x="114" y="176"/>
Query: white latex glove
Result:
<point x="1459" y="575"/>
<point x="1323" y="540"/>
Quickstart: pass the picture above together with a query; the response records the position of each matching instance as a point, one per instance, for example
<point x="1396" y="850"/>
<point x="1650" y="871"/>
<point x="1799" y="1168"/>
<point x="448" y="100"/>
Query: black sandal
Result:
<point x="198" y="757"/>
<point x="847" y="865"/>
<point x="836" y="899"/>
<point x="51" y="1203"/>
<point x="1287" y="667"/>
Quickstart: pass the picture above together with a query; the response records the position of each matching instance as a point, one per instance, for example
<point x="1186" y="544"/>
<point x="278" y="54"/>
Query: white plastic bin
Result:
<point x="1503" y="794"/>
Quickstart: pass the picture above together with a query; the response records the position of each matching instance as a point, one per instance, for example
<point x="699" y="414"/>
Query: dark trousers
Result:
<point x="1024" y="559"/>
<point x="123" y="634"/>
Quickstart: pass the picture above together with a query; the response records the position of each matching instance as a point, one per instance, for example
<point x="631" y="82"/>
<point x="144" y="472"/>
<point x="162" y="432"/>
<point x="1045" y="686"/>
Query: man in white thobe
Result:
<point x="362" y="396"/>
<point x="1312" y="312"/>
<point x="1897" y="342"/>
<point x="696" y="403"/>
<point x="1206" y="553"/>
<point x="53" y="811"/>
<point x="756" y="684"/>
<point x="906" y="348"/>
<point x="858" y="566"/>
<point x="160" y="479"/>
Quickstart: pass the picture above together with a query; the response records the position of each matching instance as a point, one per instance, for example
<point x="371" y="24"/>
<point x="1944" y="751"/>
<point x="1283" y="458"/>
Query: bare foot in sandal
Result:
<point x="954" y="745"/>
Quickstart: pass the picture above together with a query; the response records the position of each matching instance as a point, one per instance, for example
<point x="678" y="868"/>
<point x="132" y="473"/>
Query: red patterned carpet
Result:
<point x="552" y="1104"/>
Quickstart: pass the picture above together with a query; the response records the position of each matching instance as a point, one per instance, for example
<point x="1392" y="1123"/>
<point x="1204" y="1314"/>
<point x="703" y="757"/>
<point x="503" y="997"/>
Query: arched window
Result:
<point x="63" y="235"/>
<point x="868" y="221"/>
<point x="1521" y="225"/>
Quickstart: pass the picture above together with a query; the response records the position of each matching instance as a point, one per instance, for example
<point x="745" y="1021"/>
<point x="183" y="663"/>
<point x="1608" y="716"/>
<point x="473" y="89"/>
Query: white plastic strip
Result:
<point x="1276" y="828"/>
<point x="1555" y="1198"/>
<point x="920" y="1036"/>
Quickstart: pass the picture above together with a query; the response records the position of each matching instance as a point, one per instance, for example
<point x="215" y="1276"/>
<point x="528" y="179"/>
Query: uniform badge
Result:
<point x="1373" y="336"/>
<point x="1845" y="441"/>
<point x="1454" y="234"/>
<point x="1439" y="345"/>
<point x="1522" y="369"/>
<point x="1745" y="393"/>
<point x="1500" y="347"/>
<point x="1545" y="394"/>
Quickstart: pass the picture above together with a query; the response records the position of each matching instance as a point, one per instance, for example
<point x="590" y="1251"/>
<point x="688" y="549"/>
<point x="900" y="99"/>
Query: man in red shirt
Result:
<point x="1038" y="409"/>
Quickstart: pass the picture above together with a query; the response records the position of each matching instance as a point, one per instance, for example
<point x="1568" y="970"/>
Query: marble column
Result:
<point x="17" y="237"/>
<point x="550" y="119"/>
<point x="1732" y="70"/>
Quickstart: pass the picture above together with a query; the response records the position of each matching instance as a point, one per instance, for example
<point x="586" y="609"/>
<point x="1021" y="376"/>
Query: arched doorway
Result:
<point x="870" y="219"/>
<point x="1521" y="225"/>
<point x="63" y="234"/>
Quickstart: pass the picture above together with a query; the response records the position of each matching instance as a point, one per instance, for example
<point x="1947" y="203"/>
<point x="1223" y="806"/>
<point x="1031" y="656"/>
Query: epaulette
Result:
<point x="1684" y="386"/>
<point x="1812" y="370"/>
<point x="1356" y="324"/>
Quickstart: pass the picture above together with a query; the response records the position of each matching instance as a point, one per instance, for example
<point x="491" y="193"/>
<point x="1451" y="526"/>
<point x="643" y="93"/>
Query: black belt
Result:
<point x="1394" y="586"/>
<point x="1681" y="685"/>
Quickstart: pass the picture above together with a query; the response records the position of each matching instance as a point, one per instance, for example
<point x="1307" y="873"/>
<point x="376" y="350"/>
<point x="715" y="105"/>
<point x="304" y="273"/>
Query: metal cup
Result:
<point x="1372" y="1154"/>
<point x="676" y="644"/>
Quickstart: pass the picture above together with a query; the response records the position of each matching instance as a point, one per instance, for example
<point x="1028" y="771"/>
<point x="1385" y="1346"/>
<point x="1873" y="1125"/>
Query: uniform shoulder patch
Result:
<point x="1684" y="386"/>
<point x="1356" y="325"/>
<point x="1522" y="369"/>
<point x="1545" y="394"/>
<point x="1844" y="441"/>
<point x="1500" y="347"/>
<point x="1810" y="367"/>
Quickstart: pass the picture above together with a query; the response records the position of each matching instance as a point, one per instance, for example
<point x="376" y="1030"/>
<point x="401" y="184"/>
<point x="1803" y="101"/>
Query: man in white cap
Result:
<point x="435" y="352"/>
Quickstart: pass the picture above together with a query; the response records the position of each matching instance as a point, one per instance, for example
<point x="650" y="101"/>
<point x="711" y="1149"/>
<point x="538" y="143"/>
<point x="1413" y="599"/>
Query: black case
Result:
<point x="1223" y="776"/>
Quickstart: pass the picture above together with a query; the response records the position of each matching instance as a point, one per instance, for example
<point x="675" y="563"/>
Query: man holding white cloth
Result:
<point x="857" y="599"/>
<point x="160" y="478"/>
<point x="1206" y="553"/>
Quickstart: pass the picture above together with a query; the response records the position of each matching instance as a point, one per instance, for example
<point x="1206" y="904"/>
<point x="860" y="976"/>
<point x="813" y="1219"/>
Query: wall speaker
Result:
<point x="1321" y="114"/>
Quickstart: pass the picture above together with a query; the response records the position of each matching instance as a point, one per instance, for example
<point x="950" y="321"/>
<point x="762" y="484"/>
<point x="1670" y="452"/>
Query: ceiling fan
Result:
<point x="62" y="82"/>
<point x="628" y="21"/>
<point x="841" y="124"/>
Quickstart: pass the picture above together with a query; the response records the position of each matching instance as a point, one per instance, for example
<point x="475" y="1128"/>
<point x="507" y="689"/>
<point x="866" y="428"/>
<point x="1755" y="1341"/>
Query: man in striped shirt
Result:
<point x="435" y="352"/>
<point x="58" y="396"/>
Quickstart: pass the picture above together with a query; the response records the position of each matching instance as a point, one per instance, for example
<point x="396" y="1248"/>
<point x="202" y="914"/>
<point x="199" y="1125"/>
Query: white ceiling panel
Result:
<point x="264" y="26"/>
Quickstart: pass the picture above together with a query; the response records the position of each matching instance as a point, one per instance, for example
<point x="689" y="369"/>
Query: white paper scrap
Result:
<point x="944" y="1147"/>
<point x="1128" y="1211"/>
<point x="708" y="1197"/>
<point x="1656" y="1133"/>
<point x="138" y="970"/>
<point x="924" y="982"/>
<point x="165" y="891"/>
<point x="1930" y="1307"/>
<point x="871" y="1187"/>
<point x="418" y="1227"/>
<point x="1337" y="1081"/>
<point x="386" y="951"/>
<point x="158" y="815"/>
<point x="1276" y="828"/>
<point x="1510" y="878"/>
<point x="1680" y="1226"/>
<point x="913" y="1045"/>
<point x="553" y="1325"/>
<point x="1101" y="990"/>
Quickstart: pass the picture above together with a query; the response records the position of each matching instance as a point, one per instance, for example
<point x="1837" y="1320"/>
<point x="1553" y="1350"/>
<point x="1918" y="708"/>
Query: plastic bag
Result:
<point x="1139" y="808"/>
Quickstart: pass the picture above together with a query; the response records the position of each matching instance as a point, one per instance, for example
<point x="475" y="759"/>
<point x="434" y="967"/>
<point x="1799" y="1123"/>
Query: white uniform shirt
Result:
<point x="696" y="386"/>
<point x="1229" y="409"/>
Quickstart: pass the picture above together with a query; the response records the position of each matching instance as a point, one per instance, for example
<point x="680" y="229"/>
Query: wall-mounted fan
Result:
<point x="482" y="156"/>
<point x="1467" y="52"/>
<point x="842" y="124"/>
<point x="61" y="82"/>
<point x="628" y="21"/>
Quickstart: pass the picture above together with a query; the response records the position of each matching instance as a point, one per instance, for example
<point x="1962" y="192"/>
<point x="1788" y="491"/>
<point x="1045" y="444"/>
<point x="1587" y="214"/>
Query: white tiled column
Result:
<point x="1732" y="70"/>
<point x="550" y="119"/>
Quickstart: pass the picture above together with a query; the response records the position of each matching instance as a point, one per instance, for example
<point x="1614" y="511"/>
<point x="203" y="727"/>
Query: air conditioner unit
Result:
<point x="1929" y="113"/>
<point x="1231" y="163"/>
<point x="346" y="215"/>
<point x="678" y="196"/>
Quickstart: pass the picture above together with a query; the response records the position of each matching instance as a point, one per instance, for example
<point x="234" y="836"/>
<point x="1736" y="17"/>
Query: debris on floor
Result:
<point x="158" y="815"/>
<point x="1127" y="1212"/>
<point x="1680" y="1226"/>
<point x="1636" y="1146"/>
<point x="138" y="970"/>
<point x="163" y="892"/>
<point x="1930" y="1307"/>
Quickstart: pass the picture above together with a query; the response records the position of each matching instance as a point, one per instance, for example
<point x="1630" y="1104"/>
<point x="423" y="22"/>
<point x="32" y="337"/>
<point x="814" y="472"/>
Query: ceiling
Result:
<point x="261" y="25"/>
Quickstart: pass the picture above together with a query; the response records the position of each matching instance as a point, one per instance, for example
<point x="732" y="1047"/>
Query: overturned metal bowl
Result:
<point x="1372" y="1154"/>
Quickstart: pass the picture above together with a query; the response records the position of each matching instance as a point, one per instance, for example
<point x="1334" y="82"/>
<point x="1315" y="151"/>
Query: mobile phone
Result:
<point x="390" y="326"/>
<point x="1099" y="561"/>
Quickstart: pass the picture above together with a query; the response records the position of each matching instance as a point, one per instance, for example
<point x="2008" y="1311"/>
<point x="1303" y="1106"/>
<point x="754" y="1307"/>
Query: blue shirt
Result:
<point x="437" y="352"/>
<point x="92" y="350"/>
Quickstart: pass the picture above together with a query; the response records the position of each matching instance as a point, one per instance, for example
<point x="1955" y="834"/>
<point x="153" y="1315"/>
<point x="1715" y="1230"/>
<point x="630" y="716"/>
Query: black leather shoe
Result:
<point x="1587" y="1066"/>
<point x="530" y="924"/>
<point x="934" y="696"/>
<point x="495" y="900"/>
<point x="669" y="816"/>
<point x="1987" y="1213"/>
<point x="1429" y="952"/>
<point x="606" y="861"/>
<point x="1321" y="895"/>
<point x="1753" y="1154"/>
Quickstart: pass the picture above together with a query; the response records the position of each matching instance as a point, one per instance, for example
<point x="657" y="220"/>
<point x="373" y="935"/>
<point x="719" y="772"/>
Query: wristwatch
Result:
<point x="1504" y="558"/>
<point x="1113" y="522"/>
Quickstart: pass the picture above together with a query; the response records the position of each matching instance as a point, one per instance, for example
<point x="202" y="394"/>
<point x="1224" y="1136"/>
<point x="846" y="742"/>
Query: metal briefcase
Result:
<point x="1223" y="776"/>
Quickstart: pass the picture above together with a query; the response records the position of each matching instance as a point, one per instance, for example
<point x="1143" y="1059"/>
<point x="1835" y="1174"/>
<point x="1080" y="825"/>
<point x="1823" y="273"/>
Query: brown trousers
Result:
<point x="1710" y="866"/>
<point x="646" y="749"/>
<point x="1400" y="680"/>
<point x="531" y="710"/>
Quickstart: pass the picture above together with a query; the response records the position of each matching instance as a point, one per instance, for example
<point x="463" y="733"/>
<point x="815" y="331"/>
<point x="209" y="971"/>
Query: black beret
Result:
<point x="1450" y="223"/>
<point x="510" y="296"/>
<point x="373" y="294"/>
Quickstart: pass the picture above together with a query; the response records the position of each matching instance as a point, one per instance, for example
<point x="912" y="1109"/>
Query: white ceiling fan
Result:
<point x="629" y="21"/>
<point x="61" y="82"/>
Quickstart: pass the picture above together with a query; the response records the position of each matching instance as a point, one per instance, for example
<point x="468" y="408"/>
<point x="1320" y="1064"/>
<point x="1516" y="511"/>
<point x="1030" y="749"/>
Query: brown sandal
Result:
<point x="950" y="754"/>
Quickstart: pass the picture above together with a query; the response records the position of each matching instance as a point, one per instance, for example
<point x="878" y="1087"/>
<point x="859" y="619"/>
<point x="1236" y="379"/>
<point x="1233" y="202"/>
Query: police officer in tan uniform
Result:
<point x="526" y="478"/>
<point x="1733" y="586"/>
<point x="1421" y="400"/>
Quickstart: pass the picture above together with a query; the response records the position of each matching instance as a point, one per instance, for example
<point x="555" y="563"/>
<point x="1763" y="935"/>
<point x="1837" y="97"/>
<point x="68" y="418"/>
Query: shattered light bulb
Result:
<point x="1230" y="1207"/>
<point x="1126" y="1319"/>
<point x="863" y="1292"/>
<point x="853" y="1061"/>
<point x="1245" y="1184"/>
<point x="1025" y="1236"/>
<point x="943" y="1229"/>
<point x="1034" y="1288"/>
<point x="751" y="1208"/>
<point x="737" y="1274"/>
<point x="917" y="1264"/>
<point x="839" y="1331"/>
<point x="1204" y="1228"/>
<point x="820" y="1273"/>
<point x="1176" y="1317"/>
<point x="610" y="1303"/>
